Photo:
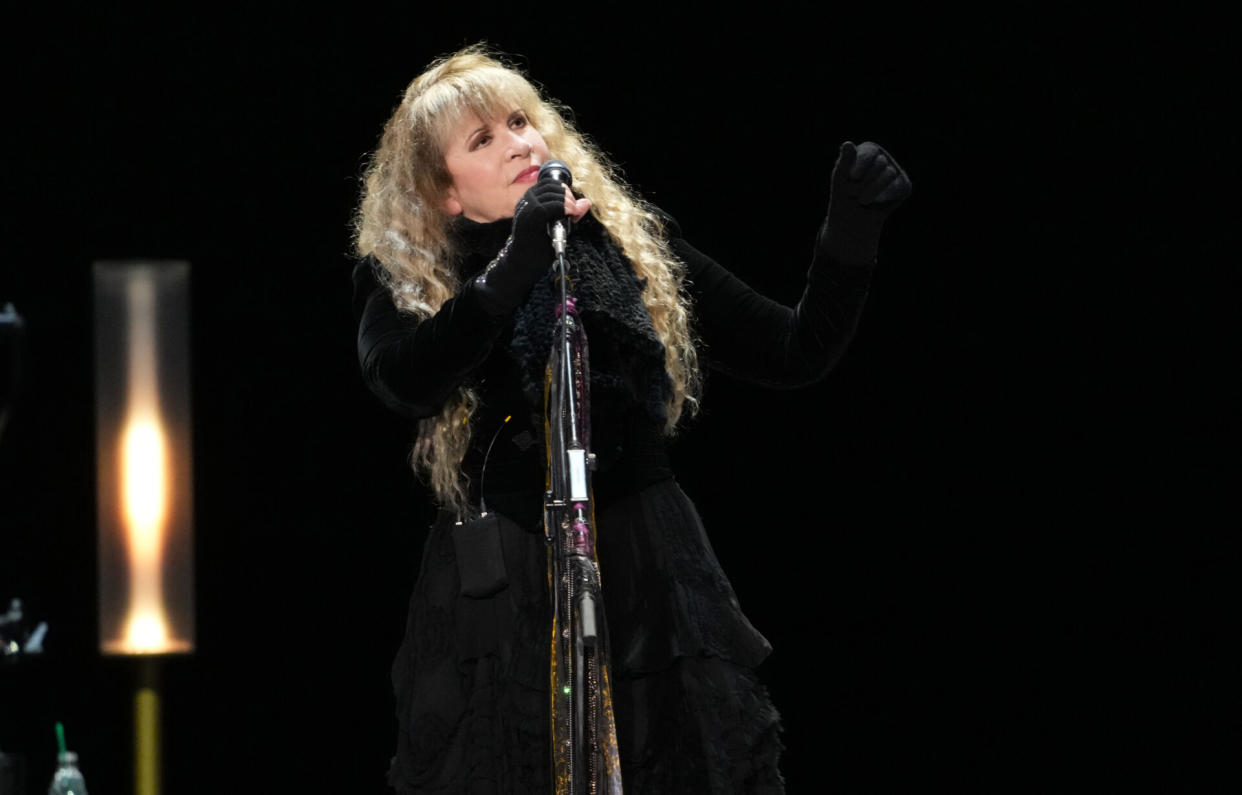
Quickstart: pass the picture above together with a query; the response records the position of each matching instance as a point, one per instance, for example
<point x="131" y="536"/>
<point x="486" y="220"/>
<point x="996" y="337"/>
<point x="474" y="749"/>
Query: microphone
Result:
<point x="559" y="172"/>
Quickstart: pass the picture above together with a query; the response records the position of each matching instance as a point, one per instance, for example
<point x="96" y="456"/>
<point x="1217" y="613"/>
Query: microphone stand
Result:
<point x="585" y="759"/>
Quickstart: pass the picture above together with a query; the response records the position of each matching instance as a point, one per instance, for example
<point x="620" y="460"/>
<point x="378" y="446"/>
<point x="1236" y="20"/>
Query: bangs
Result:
<point x="489" y="94"/>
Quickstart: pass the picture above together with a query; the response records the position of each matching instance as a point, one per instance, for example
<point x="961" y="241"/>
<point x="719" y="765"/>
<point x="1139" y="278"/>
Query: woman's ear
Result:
<point x="451" y="205"/>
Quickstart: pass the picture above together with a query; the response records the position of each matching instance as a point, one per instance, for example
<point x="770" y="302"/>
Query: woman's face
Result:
<point x="492" y="164"/>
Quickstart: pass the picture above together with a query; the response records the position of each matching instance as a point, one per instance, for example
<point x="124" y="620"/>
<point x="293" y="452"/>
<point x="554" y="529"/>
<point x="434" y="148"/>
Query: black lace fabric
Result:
<point x="703" y="725"/>
<point x="471" y="677"/>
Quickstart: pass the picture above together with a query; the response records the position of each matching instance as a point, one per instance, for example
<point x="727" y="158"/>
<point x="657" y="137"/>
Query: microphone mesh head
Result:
<point x="557" y="171"/>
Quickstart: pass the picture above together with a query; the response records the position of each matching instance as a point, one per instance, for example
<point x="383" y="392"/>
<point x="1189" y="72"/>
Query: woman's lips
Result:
<point x="528" y="175"/>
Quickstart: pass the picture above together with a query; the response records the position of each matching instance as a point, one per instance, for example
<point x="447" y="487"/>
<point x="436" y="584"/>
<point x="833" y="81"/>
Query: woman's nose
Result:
<point x="518" y="146"/>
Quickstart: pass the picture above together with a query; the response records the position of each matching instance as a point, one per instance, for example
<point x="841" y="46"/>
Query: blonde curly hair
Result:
<point x="402" y="223"/>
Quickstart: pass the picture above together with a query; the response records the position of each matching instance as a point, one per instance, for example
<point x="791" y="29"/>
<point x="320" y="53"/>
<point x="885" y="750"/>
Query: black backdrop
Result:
<point x="971" y="547"/>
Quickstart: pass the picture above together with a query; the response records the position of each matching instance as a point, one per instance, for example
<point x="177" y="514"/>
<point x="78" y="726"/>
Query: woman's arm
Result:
<point x="413" y="365"/>
<point x="754" y="338"/>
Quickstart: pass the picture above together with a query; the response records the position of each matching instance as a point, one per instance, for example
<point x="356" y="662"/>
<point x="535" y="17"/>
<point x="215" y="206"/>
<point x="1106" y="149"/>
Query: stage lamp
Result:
<point x="144" y="479"/>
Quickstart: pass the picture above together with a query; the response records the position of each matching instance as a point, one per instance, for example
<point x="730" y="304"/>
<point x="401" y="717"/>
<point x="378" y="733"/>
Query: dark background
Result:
<point x="986" y="549"/>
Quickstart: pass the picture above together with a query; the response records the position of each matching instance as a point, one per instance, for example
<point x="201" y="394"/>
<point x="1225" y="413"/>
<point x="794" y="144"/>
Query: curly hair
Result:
<point x="402" y="224"/>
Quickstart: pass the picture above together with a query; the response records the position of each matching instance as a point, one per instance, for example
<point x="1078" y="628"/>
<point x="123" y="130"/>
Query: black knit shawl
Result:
<point x="626" y="355"/>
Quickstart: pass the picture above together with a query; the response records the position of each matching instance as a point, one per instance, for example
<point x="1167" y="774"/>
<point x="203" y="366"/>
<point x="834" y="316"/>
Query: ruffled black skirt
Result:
<point x="471" y="677"/>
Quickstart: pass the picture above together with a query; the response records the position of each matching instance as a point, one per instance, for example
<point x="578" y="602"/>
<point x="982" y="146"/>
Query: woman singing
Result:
<point x="456" y="306"/>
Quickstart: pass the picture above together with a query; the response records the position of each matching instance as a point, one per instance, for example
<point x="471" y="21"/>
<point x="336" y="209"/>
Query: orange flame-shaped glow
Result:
<point x="144" y="468"/>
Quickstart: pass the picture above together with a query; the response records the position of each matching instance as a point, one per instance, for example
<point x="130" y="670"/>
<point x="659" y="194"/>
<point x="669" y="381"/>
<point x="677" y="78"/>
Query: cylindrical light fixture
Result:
<point x="145" y="496"/>
<point x="143" y="464"/>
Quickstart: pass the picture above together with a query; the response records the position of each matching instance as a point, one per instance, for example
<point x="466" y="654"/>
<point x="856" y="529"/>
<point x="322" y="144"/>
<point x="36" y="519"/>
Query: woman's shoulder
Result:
<point x="364" y="269"/>
<point x="668" y="224"/>
<point x="655" y="219"/>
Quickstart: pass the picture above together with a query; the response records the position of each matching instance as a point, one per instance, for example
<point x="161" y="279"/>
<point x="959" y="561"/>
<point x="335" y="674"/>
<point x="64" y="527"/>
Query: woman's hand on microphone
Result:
<point x="867" y="185"/>
<point x="543" y="203"/>
<point x="528" y="253"/>
<point x="546" y="201"/>
<point x="575" y="208"/>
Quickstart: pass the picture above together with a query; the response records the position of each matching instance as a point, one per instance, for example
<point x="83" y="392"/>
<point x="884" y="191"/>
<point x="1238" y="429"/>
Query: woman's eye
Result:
<point x="482" y="140"/>
<point x="518" y="121"/>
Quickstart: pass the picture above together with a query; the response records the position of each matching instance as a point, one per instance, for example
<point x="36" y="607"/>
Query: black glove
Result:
<point x="867" y="185"/>
<point x="528" y="252"/>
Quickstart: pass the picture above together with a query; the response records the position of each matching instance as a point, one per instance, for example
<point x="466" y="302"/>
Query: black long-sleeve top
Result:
<point x="414" y="365"/>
